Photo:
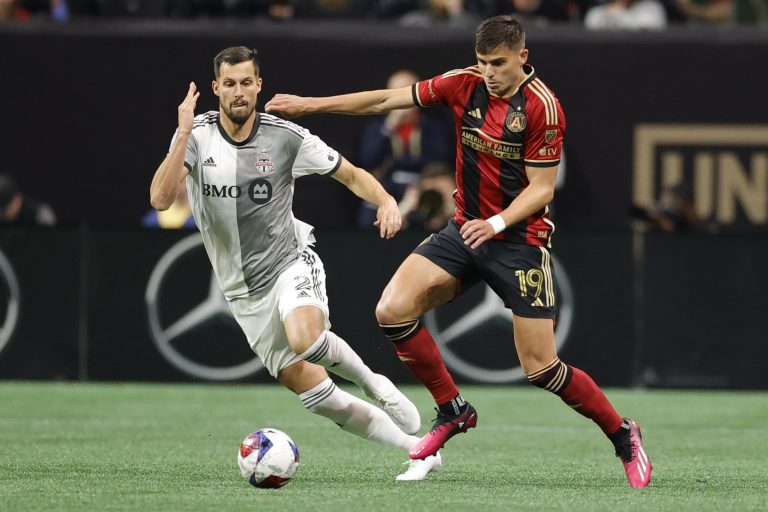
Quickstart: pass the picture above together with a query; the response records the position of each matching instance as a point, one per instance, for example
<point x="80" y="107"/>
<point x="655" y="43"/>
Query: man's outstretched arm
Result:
<point x="359" y="103"/>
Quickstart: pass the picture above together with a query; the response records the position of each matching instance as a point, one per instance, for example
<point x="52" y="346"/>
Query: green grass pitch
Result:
<point x="142" y="447"/>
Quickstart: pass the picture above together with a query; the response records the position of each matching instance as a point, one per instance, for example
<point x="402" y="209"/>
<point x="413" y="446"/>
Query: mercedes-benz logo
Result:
<point x="457" y="331"/>
<point x="10" y="295"/>
<point x="169" y="339"/>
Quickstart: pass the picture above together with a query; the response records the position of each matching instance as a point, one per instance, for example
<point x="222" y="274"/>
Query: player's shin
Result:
<point x="579" y="391"/>
<point x="354" y="415"/>
<point x="418" y="351"/>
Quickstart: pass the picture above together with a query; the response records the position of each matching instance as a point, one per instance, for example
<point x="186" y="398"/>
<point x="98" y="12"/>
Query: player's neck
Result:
<point x="237" y="132"/>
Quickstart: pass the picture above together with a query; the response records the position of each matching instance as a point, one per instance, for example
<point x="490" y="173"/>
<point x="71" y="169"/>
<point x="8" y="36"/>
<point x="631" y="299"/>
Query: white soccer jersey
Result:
<point x="241" y="195"/>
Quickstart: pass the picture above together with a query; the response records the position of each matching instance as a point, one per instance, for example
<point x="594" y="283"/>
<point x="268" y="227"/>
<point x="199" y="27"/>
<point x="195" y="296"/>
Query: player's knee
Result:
<point x="301" y="376"/>
<point x="554" y="377"/>
<point x="385" y="313"/>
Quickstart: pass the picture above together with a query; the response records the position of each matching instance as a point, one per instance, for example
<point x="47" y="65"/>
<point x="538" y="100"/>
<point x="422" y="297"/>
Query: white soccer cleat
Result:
<point x="418" y="469"/>
<point x="395" y="404"/>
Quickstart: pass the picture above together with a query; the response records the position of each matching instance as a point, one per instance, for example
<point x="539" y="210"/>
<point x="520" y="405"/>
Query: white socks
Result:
<point x="337" y="356"/>
<point x="354" y="415"/>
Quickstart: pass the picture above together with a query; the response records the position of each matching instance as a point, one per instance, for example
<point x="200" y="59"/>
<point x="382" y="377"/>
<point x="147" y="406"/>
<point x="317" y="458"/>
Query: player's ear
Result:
<point x="259" y="83"/>
<point x="523" y="56"/>
<point x="215" y="87"/>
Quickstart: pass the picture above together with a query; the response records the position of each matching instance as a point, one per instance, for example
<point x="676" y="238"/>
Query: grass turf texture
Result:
<point x="144" y="447"/>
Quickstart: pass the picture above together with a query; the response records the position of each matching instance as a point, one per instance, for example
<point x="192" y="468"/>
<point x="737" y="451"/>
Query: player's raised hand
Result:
<point x="287" y="105"/>
<point x="388" y="219"/>
<point x="476" y="232"/>
<point x="187" y="109"/>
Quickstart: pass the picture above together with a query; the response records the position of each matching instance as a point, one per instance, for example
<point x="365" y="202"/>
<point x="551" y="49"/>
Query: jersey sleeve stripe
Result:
<point x="285" y="126"/>
<point x="550" y="98"/>
<point x="337" y="166"/>
<point x="466" y="71"/>
<point x="542" y="163"/>
<point x="415" y="93"/>
<point x="547" y="99"/>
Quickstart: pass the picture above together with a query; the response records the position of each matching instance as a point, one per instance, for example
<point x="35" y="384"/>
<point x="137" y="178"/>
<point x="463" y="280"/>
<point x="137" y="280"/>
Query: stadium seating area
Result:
<point x="608" y="14"/>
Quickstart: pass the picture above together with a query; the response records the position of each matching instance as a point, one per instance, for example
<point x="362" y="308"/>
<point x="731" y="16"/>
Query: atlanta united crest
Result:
<point x="264" y="164"/>
<point x="516" y="122"/>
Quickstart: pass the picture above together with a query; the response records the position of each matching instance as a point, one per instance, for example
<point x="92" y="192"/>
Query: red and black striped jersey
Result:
<point x="496" y="139"/>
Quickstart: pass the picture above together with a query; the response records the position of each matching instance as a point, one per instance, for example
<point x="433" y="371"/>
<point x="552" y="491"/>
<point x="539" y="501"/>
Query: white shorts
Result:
<point x="261" y="316"/>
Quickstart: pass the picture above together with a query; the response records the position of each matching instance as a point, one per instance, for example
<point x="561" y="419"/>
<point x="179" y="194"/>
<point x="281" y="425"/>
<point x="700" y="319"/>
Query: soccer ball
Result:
<point x="268" y="458"/>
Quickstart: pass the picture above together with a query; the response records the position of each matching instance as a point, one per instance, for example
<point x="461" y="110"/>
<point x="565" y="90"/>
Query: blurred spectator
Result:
<point x="396" y="147"/>
<point x="449" y="13"/>
<point x="14" y="10"/>
<point x="334" y="9"/>
<point x="627" y="15"/>
<point x="276" y="9"/>
<point x="394" y="9"/>
<point x="20" y="210"/>
<point x="674" y="211"/>
<point x="750" y="12"/>
<point x="429" y="202"/>
<point x="706" y="12"/>
<point x="540" y="12"/>
<point x="713" y="12"/>
<point x="179" y="215"/>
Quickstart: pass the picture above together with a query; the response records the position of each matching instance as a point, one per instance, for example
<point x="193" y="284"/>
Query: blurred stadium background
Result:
<point x="89" y="106"/>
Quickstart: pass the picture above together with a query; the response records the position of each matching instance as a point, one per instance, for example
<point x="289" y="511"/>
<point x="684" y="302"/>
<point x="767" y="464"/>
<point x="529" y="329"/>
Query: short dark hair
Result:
<point x="235" y="55"/>
<point x="499" y="30"/>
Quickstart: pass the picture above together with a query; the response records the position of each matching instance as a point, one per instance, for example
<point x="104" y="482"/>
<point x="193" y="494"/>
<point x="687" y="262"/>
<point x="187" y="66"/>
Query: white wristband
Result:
<point x="497" y="223"/>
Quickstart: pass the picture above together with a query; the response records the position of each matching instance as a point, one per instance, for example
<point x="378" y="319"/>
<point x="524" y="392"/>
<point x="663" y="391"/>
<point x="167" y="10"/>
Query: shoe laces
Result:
<point x="441" y="418"/>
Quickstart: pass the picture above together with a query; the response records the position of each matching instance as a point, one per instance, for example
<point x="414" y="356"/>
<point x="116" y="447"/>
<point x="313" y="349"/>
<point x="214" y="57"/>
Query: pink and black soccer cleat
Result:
<point x="445" y="427"/>
<point x="636" y="463"/>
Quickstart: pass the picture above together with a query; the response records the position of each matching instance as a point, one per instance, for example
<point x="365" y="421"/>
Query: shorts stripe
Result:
<point x="317" y="284"/>
<point x="549" y="286"/>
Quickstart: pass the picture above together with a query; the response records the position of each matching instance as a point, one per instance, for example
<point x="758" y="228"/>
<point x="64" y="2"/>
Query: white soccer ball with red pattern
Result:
<point x="268" y="458"/>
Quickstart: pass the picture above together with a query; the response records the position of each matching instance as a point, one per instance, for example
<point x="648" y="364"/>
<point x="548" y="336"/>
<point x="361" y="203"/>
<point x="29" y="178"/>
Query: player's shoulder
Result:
<point x="469" y="73"/>
<point x="538" y="92"/>
<point x="206" y="119"/>
<point x="273" y="122"/>
<point x="542" y="101"/>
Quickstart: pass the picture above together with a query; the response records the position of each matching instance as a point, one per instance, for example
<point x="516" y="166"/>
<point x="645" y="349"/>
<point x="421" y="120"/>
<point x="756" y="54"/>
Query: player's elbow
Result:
<point x="160" y="202"/>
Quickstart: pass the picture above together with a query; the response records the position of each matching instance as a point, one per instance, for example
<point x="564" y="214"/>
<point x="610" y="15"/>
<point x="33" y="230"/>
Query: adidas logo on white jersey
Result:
<point x="209" y="162"/>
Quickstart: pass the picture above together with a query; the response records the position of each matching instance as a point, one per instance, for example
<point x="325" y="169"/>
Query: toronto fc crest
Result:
<point x="264" y="164"/>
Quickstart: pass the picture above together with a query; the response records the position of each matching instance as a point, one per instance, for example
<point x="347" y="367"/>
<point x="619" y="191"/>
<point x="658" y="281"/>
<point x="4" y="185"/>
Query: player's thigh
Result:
<point x="534" y="342"/>
<point x="430" y="276"/>
<point x="259" y="318"/>
<point x="302" y="301"/>
<point x="303" y="325"/>
<point x="417" y="286"/>
<point x="521" y="275"/>
<point x="302" y="376"/>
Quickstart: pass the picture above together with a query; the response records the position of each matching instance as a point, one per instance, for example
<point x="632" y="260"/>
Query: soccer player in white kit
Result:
<point x="240" y="166"/>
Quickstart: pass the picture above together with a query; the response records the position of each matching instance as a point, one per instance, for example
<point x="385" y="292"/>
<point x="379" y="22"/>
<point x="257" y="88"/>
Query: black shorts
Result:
<point x="520" y="274"/>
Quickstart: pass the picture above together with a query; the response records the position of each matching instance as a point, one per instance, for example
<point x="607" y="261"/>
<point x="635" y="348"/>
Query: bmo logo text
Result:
<point x="259" y="191"/>
<point x="724" y="166"/>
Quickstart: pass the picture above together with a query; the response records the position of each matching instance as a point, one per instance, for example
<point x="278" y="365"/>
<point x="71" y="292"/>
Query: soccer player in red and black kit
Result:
<point x="509" y="131"/>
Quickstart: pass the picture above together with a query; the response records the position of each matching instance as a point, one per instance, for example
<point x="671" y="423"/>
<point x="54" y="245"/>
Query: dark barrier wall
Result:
<point x="88" y="111"/>
<point x="655" y="310"/>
